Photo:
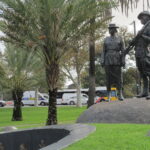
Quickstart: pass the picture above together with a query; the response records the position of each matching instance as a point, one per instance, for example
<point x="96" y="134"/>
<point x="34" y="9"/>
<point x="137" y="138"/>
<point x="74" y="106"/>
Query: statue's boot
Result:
<point x="145" y="89"/>
<point x="148" y="97"/>
<point x="120" y="96"/>
<point x="143" y="94"/>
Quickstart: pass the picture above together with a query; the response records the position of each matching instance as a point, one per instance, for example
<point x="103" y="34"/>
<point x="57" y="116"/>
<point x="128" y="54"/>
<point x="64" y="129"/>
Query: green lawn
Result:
<point x="36" y="116"/>
<point x="115" y="137"/>
<point x="106" y="137"/>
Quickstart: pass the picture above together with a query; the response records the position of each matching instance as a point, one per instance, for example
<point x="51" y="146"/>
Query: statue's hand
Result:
<point x="123" y="63"/>
<point x="130" y="42"/>
<point x="140" y="32"/>
<point x="123" y="60"/>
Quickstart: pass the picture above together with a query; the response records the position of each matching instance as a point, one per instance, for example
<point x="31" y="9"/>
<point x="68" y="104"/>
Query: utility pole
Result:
<point x="134" y="25"/>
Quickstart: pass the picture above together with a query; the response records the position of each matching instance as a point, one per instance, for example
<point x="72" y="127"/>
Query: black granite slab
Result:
<point x="53" y="137"/>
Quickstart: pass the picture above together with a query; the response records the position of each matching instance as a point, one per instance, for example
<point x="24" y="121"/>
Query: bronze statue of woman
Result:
<point x="112" y="61"/>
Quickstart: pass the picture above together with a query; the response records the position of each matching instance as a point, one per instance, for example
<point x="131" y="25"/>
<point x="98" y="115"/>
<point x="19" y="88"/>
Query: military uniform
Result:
<point x="142" y="54"/>
<point x="111" y="59"/>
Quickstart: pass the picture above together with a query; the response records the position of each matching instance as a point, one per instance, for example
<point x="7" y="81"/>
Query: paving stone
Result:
<point x="9" y="128"/>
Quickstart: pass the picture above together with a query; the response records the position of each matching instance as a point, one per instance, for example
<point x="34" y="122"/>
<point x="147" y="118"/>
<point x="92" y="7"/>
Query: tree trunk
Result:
<point x="52" y="75"/>
<point x="17" y="97"/>
<point x="52" y="110"/>
<point x="91" y="68"/>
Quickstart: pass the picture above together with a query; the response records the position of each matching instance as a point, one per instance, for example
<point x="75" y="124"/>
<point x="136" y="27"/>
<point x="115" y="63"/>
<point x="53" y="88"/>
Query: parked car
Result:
<point x="10" y="103"/>
<point x="2" y="103"/>
<point x="44" y="102"/>
<point x="29" y="98"/>
<point x="71" y="98"/>
<point x="32" y="102"/>
<point x="100" y="99"/>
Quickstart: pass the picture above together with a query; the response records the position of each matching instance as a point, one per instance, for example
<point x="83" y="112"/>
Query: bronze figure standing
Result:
<point x="141" y="43"/>
<point x="112" y="61"/>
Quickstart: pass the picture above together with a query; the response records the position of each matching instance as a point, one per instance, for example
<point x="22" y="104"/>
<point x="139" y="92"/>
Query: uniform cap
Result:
<point x="147" y="13"/>
<point x="112" y="25"/>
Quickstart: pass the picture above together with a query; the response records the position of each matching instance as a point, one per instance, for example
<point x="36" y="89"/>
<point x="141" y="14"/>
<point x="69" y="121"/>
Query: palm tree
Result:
<point x="91" y="66"/>
<point x="49" y="26"/>
<point x="18" y="66"/>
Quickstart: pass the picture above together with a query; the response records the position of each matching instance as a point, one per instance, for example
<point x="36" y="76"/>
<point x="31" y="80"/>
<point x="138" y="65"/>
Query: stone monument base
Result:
<point x="128" y="111"/>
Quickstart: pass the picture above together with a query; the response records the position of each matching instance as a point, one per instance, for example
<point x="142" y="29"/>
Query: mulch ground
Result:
<point x="135" y="110"/>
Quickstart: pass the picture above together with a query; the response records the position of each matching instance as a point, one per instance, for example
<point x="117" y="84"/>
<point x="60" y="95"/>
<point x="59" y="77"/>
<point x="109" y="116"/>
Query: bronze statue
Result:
<point x="142" y="52"/>
<point x="112" y="61"/>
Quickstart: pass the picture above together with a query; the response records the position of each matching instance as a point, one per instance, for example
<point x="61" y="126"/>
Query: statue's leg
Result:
<point x="108" y="81"/>
<point x="140" y="65"/>
<point x="120" y="94"/>
<point x="109" y="92"/>
<point x="145" y="87"/>
<point x="120" y="85"/>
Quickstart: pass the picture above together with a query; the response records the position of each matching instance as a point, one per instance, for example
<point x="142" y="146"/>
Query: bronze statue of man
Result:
<point x="142" y="52"/>
<point x="111" y="59"/>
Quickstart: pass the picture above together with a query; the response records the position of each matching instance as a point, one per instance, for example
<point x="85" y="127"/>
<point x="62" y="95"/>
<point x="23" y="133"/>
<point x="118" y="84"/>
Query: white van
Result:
<point x="71" y="98"/>
<point x="29" y="98"/>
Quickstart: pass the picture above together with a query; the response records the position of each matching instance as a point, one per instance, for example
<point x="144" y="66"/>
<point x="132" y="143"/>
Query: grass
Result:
<point x="106" y="137"/>
<point x="36" y="116"/>
<point x="115" y="137"/>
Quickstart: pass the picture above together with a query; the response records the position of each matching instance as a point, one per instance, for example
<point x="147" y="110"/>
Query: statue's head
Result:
<point x="112" y="28"/>
<point x="144" y="17"/>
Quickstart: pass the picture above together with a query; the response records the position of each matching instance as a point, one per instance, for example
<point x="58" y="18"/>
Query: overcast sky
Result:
<point x="122" y="20"/>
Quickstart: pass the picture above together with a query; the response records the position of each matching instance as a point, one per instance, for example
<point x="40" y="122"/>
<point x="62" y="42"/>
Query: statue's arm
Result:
<point x="147" y="38"/>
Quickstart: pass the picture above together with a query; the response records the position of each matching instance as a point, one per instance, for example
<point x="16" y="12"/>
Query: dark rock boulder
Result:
<point x="127" y="111"/>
